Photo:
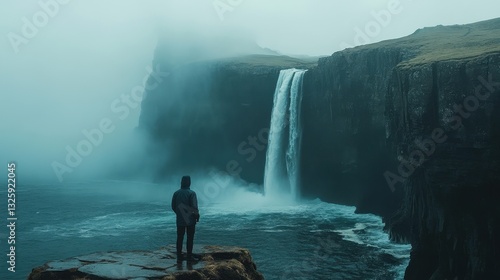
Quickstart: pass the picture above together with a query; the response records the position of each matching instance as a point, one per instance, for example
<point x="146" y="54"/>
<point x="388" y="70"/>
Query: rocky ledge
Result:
<point x="216" y="262"/>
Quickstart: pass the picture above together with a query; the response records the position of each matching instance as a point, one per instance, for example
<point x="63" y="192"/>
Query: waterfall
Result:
<point x="281" y="174"/>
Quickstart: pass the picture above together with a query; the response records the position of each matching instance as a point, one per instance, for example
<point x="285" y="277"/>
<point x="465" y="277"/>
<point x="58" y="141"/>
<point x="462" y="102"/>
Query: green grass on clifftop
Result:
<point x="442" y="43"/>
<point x="277" y="61"/>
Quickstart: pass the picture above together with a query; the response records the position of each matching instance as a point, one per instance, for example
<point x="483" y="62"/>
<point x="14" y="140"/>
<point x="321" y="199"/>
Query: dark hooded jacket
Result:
<point x="185" y="206"/>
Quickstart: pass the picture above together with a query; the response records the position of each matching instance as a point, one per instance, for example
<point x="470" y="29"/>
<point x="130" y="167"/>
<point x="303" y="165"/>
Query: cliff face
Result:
<point x="344" y="139"/>
<point x="410" y="123"/>
<point x="445" y="127"/>
<point x="422" y="111"/>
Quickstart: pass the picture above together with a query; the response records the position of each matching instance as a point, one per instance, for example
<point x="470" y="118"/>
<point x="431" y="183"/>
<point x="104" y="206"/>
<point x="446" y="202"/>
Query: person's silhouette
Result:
<point x="185" y="206"/>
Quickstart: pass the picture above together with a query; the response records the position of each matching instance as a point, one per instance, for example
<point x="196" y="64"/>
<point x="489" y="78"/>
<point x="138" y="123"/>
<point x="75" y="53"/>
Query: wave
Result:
<point x="115" y="224"/>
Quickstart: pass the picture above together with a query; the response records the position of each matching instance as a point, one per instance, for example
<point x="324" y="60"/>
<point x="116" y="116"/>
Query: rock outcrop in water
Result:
<point x="221" y="263"/>
<point x="412" y="122"/>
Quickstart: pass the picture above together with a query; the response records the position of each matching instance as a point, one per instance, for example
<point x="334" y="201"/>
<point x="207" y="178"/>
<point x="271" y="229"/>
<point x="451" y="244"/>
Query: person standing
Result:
<point x="185" y="206"/>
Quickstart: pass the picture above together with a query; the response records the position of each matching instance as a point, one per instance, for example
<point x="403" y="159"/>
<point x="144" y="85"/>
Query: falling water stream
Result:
<point x="281" y="175"/>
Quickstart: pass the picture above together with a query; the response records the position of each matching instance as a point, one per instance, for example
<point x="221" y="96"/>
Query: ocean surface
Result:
<point x="302" y="240"/>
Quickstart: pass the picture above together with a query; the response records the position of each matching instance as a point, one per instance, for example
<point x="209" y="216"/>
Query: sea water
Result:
<point x="308" y="239"/>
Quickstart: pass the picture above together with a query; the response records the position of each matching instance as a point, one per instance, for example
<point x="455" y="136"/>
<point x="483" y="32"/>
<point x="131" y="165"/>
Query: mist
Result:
<point x="75" y="73"/>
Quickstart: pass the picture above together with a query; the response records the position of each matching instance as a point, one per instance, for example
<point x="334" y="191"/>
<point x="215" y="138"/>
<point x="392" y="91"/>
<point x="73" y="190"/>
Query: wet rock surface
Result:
<point x="212" y="262"/>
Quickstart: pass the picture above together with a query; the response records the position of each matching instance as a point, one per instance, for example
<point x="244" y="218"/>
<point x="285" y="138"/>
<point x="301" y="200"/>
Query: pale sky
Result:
<point x="62" y="77"/>
<point x="314" y="27"/>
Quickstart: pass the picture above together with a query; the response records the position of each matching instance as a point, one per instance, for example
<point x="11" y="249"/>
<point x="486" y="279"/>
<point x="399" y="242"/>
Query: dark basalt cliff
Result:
<point x="444" y="125"/>
<point x="214" y="114"/>
<point x="344" y="149"/>
<point x="410" y="124"/>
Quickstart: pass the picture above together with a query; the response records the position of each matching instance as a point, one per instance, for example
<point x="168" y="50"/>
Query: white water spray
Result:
<point x="281" y="175"/>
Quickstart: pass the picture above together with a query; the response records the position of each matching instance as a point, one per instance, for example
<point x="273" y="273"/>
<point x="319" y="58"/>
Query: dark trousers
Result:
<point x="190" y="237"/>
